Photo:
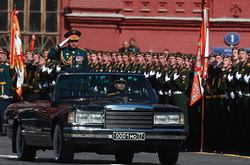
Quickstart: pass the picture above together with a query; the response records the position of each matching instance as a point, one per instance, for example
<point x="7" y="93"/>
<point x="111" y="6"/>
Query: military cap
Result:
<point x="149" y="53"/>
<point x="124" y="54"/>
<point x="140" y="53"/>
<point x="114" y="52"/>
<point x="172" y="55"/>
<point x="5" y="51"/>
<point x="155" y="54"/>
<point x="73" y="35"/>
<point x="132" y="53"/>
<point x="180" y="55"/>
<point x="235" y="48"/>
<point x="219" y="54"/>
<point x="242" y="49"/>
<point x="161" y="54"/>
<point x="106" y="53"/>
<point x="211" y="55"/>
<point x="229" y="57"/>
<point x="93" y="52"/>
<point x="120" y="80"/>
<point x="28" y="50"/>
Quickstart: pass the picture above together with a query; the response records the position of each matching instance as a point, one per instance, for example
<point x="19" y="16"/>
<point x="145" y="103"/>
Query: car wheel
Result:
<point x="124" y="158"/>
<point x="168" y="155"/>
<point x="24" y="152"/>
<point x="62" y="152"/>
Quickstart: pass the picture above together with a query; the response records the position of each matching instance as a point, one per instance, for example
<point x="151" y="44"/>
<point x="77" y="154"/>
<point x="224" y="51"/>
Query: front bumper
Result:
<point x="102" y="139"/>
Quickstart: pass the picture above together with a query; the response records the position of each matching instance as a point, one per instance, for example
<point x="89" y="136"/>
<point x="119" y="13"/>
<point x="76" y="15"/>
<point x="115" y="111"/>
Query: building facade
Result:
<point x="154" y="24"/>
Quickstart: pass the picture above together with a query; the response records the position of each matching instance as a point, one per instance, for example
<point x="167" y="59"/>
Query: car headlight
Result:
<point x="168" y="119"/>
<point x="85" y="118"/>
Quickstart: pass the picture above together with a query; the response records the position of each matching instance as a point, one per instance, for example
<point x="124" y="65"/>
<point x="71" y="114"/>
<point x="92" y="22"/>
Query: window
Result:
<point x="39" y="17"/>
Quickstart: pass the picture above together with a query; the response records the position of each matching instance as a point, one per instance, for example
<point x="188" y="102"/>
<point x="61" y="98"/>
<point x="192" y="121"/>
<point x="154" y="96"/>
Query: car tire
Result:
<point x="62" y="153"/>
<point x="124" y="158"/>
<point x="24" y="152"/>
<point x="168" y="155"/>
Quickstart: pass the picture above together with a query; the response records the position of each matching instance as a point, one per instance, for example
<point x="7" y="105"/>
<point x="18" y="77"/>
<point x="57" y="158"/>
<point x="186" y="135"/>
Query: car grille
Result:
<point x="127" y="119"/>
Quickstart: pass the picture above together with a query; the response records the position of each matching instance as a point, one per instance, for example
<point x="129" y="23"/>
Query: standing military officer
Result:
<point x="106" y="63"/>
<point x="71" y="58"/>
<point x="243" y="91"/>
<point x="5" y="86"/>
<point x="94" y="65"/>
<point x="126" y="65"/>
<point x="180" y="82"/>
<point x="161" y="72"/>
<point x="141" y="67"/>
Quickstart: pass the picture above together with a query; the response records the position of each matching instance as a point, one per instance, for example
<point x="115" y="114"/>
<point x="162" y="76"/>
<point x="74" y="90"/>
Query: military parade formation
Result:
<point x="227" y="89"/>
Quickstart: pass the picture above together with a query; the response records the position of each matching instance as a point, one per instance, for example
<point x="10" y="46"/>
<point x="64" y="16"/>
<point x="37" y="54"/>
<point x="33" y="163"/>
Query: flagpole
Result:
<point x="202" y="122"/>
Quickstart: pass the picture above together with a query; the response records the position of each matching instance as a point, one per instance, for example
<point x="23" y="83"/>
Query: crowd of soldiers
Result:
<point x="227" y="92"/>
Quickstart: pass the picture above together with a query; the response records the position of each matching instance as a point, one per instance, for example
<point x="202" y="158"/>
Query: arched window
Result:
<point x="39" y="17"/>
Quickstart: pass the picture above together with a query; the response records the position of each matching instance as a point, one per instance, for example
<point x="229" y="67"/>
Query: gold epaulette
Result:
<point x="111" y="94"/>
<point x="83" y="49"/>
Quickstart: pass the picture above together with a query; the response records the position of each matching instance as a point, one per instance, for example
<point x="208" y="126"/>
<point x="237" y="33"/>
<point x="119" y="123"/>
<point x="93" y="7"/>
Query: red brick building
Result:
<point x="105" y="24"/>
<point x="155" y="24"/>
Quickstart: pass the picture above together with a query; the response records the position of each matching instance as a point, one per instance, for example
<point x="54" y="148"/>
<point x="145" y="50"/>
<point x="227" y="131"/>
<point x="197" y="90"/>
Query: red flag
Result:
<point x="16" y="53"/>
<point x="200" y="68"/>
<point x="32" y="42"/>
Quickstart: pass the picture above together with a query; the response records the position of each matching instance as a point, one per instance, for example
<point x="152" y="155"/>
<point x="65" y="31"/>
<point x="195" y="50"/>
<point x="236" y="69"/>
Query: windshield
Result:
<point x="103" y="87"/>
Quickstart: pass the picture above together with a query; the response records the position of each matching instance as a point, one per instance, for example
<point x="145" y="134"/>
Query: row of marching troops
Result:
<point x="226" y="124"/>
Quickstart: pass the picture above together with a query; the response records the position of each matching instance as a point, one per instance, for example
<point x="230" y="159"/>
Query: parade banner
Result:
<point x="32" y="42"/>
<point x="200" y="71"/>
<point x="16" y="53"/>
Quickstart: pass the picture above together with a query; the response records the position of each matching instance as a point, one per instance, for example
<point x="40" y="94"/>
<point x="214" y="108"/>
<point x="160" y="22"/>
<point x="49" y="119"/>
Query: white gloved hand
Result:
<point x="46" y="84"/>
<point x="230" y="77"/>
<point x="226" y="96"/>
<point x="49" y="70"/>
<point x="228" y="108"/>
<point x="40" y="86"/>
<point x="158" y="75"/>
<point x="5" y="97"/>
<point x="58" y="69"/>
<point x="232" y="95"/>
<point x="246" y="78"/>
<point x="146" y="74"/>
<point x="95" y="89"/>
<point x="169" y="93"/>
<point x="44" y="69"/>
<point x="160" y="92"/>
<point x="63" y="43"/>
<point x="240" y="94"/>
<point x="152" y="73"/>
<point x="237" y="75"/>
<point x="176" y="76"/>
<point x="53" y="82"/>
<point x="167" y="78"/>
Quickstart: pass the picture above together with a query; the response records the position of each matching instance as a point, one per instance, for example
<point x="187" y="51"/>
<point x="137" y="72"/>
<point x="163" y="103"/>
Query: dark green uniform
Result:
<point x="70" y="60"/>
<point x="106" y="68"/>
<point x="125" y="68"/>
<point x="161" y="87"/>
<point x="5" y="90"/>
<point x="179" y="87"/>
<point x="243" y="91"/>
<point x="141" y="68"/>
<point x="94" y="67"/>
<point x="133" y="67"/>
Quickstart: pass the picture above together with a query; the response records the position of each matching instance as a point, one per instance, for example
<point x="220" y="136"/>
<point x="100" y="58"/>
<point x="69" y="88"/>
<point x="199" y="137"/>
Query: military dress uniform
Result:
<point x="70" y="60"/>
<point x="5" y="90"/>
<point x="243" y="93"/>
<point x="94" y="67"/>
<point x="161" y="88"/>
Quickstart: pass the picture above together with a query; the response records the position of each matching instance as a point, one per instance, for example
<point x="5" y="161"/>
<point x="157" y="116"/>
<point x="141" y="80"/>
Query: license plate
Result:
<point x="132" y="136"/>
